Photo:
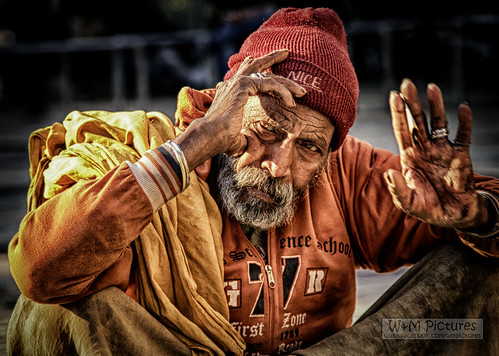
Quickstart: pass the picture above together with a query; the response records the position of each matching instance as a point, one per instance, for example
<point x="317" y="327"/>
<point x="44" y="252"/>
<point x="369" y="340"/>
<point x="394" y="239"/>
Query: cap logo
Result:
<point x="306" y="80"/>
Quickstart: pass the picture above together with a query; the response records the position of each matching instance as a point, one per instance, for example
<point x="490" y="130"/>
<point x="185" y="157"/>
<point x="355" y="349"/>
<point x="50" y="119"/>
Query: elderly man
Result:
<point x="243" y="227"/>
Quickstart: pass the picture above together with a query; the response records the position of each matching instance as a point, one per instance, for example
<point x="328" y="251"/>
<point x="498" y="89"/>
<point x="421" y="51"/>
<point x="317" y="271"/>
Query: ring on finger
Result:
<point x="259" y="75"/>
<point x="439" y="133"/>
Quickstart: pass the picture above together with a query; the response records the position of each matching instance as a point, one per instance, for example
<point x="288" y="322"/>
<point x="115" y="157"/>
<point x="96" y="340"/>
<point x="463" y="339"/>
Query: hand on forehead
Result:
<point x="299" y="121"/>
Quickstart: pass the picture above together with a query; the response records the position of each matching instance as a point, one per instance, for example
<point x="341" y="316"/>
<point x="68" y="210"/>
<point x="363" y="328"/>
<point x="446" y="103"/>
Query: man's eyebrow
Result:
<point x="315" y="136"/>
<point x="280" y="120"/>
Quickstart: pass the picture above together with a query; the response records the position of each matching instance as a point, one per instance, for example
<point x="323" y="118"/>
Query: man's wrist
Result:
<point x="199" y="142"/>
<point x="162" y="173"/>
<point x="491" y="228"/>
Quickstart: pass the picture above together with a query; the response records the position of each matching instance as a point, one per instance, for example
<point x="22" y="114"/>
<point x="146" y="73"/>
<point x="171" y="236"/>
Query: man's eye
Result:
<point x="310" y="147"/>
<point x="266" y="126"/>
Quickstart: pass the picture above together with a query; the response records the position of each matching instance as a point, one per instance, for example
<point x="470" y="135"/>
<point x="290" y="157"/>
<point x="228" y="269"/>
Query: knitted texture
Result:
<point x="318" y="60"/>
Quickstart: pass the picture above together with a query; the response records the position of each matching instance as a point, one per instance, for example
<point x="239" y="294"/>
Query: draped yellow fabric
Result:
<point x="179" y="269"/>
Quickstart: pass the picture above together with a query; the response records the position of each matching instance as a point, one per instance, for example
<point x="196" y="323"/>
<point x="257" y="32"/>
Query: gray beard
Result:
<point x="247" y="208"/>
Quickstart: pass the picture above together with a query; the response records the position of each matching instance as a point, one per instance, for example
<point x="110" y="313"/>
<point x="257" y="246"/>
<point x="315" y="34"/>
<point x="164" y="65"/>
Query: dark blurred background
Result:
<point x="55" y="51"/>
<point x="57" y="56"/>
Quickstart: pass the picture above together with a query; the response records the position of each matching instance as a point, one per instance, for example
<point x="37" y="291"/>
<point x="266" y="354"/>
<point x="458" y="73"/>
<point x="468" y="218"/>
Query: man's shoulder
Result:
<point x="352" y="147"/>
<point x="357" y="157"/>
<point x="355" y="148"/>
<point x="352" y="143"/>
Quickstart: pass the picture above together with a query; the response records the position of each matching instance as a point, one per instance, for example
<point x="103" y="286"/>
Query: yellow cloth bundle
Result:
<point x="179" y="269"/>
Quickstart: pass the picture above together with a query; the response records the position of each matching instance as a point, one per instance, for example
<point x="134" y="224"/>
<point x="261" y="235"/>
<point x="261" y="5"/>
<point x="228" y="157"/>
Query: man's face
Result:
<point x="287" y="148"/>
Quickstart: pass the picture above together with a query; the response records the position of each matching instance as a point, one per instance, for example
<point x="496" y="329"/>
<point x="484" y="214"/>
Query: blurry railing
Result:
<point x="133" y="47"/>
<point x="379" y="50"/>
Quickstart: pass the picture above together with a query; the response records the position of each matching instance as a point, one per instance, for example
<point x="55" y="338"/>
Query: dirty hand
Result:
<point x="436" y="183"/>
<point x="222" y="129"/>
<point x="227" y="108"/>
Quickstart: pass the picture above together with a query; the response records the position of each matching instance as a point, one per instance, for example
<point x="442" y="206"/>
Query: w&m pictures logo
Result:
<point x="438" y="329"/>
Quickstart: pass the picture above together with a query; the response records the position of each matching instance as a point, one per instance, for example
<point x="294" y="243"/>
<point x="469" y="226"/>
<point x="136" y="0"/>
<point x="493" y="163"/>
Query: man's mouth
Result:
<point x="260" y="195"/>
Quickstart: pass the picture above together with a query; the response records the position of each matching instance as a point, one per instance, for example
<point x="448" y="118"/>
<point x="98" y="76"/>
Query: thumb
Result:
<point x="242" y="143"/>
<point x="241" y="147"/>
<point x="401" y="193"/>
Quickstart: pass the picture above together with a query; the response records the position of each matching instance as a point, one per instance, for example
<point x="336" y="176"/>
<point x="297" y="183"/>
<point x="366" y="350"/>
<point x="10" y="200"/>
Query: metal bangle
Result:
<point x="179" y="156"/>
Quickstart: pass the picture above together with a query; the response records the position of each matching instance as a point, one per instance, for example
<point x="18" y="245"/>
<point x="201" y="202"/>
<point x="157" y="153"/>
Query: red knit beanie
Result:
<point x="318" y="60"/>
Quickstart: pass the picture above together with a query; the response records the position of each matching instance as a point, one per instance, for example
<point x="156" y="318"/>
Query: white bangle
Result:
<point x="184" y="168"/>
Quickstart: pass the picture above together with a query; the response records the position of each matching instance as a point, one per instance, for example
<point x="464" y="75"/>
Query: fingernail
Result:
<point x="396" y="100"/>
<point x="405" y="83"/>
<point x="433" y="86"/>
<point x="387" y="177"/>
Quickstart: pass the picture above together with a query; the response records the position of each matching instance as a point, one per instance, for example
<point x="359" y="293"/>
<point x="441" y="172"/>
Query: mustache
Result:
<point x="257" y="178"/>
<point x="251" y="210"/>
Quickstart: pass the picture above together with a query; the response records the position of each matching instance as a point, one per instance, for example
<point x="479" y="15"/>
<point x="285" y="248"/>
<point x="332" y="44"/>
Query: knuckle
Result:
<point x="240" y="81"/>
<point x="246" y="61"/>
<point x="247" y="82"/>
<point x="245" y="66"/>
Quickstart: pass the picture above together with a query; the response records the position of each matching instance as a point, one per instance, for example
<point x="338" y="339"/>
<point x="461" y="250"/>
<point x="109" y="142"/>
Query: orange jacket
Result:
<point x="307" y="291"/>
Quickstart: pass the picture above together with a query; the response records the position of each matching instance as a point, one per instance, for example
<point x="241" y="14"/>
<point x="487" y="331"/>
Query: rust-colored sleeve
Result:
<point x="78" y="242"/>
<point x="384" y="237"/>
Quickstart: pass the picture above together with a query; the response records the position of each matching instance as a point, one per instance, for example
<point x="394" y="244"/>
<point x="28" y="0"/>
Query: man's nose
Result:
<point x="279" y="159"/>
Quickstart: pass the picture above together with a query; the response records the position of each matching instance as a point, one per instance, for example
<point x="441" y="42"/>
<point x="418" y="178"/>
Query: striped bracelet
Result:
<point x="184" y="168"/>
<point x="162" y="173"/>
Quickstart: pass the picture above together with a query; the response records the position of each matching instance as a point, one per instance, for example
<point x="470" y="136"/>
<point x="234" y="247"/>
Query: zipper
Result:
<point x="272" y="296"/>
<point x="269" y="320"/>
<point x="270" y="276"/>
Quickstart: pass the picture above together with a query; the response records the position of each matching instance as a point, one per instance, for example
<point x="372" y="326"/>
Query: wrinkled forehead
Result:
<point x="267" y="107"/>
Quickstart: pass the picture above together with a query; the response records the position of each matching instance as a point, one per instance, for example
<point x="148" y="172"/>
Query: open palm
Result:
<point x="436" y="182"/>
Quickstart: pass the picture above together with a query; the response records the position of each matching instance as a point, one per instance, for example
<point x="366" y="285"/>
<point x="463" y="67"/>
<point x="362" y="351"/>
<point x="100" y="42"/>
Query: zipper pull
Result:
<point x="270" y="276"/>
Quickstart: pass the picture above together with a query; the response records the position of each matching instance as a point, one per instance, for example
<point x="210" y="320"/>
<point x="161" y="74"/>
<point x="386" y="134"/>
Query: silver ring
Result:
<point x="259" y="75"/>
<point x="439" y="133"/>
<point x="460" y="143"/>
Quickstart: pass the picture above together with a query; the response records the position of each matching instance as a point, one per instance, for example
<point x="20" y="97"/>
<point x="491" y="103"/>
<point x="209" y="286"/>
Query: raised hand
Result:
<point x="436" y="183"/>
<point x="222" y="129"/>
<point x="250" y="79"/>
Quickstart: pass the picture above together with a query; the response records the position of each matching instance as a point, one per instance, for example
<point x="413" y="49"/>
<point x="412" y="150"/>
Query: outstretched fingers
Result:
<point x="463" y="136"/>
<point x="419" y="129"/>
<point x="438" y="121"/>
<point x="399" y="122"/>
